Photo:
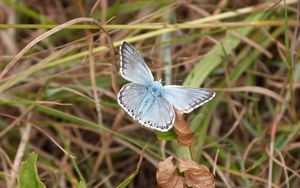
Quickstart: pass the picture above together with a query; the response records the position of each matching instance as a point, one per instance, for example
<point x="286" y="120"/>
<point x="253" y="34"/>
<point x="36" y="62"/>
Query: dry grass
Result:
<point x="58" y="89"/>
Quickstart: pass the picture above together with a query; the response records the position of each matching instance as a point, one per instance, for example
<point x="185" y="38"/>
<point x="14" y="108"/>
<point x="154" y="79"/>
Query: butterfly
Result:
<point x="147" y="100"/>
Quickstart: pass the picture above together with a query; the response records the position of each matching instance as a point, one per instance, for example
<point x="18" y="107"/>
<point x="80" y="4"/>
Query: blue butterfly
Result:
<point x="147" y="100"/>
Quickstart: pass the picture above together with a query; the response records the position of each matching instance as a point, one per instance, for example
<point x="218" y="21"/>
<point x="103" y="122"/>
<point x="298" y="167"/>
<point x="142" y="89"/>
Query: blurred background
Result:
<point x="58" y="89"/>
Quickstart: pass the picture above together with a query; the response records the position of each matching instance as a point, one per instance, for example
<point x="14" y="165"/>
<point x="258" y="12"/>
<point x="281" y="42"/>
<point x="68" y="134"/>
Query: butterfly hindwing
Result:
<point x="153" y="112"/>
<point x="159" y="116"/>
<point x="131" y="97"/>
<point x="133" y="68"/>
<point x="186" y="99"/>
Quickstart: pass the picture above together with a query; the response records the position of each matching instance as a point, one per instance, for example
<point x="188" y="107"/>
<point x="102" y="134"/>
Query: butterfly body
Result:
<point x="147" y="100"/>
<point x="155" y="89"/>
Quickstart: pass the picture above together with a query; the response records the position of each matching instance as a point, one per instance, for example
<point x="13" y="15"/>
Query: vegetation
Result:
<point x="61" y="126"/>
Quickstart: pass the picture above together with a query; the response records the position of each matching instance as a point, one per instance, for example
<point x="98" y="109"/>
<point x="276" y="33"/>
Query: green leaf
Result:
<point x="129" y="179"/>
<point x="207" y="65"/>
<point x="126" y="182"/>
<point x="217" y="54"/>
<point x="82" y="184"/>
<point x="28" y="177"/>
<point x="170" y="135"/>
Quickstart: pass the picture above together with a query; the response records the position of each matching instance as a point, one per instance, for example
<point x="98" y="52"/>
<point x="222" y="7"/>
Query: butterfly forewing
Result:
<point x="186" y="99"/>
<point x="153" y="112"/>
<point x="133" y="68"/>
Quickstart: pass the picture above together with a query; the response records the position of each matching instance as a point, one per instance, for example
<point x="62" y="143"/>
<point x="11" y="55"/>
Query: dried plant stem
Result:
<point x="93" y="80"/>
<point x="272" y="145"/>
<point x="53" y="140"/>
<point x="159" y="26"/>
<point x="40" y="38"/>
<point x="20" y="153"/>
<point x="218" y="170"/>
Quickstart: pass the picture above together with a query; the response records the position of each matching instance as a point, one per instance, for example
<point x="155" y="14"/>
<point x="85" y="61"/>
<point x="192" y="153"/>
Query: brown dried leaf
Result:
<point x="167" y="176"/>
<point x="196" y="175"/>
<point x="182" y="130"/>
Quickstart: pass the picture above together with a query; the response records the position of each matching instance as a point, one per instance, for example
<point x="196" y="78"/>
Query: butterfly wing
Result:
<point x="159" y="116"/>
<point x="153" y="112"/>
<point x="186" y="99"/>
<point x="131" y="97"/>
<point x="133" y="68"/>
